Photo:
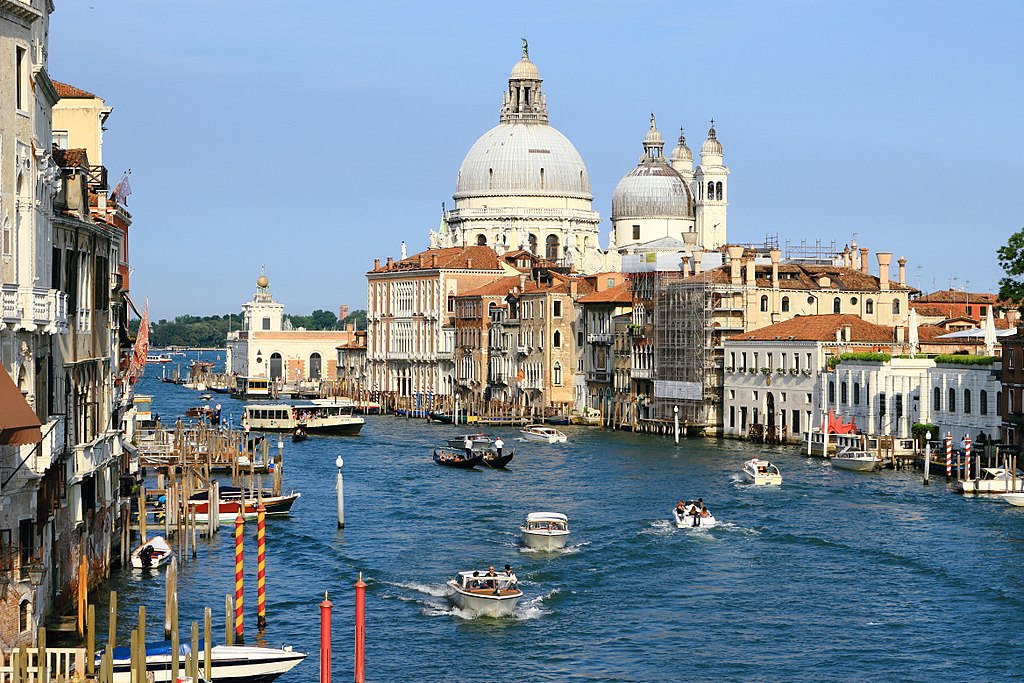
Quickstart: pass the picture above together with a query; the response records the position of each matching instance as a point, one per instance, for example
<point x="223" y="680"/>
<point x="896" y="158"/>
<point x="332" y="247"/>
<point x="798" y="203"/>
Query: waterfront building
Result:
<point x="523" y="185"/>
<point x="601" y="341"/>
<point x="1011" y="403"/>
<point x="959" y="310"/>
<point x="351" y="367"/>
<point x="659" y="200"/>
<point x="268" y="347"/>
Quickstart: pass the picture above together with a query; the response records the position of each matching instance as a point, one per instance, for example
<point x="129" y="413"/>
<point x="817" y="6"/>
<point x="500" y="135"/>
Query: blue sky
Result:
<point x="313" y="137"/>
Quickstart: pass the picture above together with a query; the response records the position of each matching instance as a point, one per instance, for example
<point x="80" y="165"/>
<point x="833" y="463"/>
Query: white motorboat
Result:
<point x="229" y="663"/>
<point x="159" y="358"/>
<point x="545" y="530"/>
<point x="855" y="460"/>
<point x="152" y="554"/>
<point x="489" y="595"/>
<point x="993" y="480"/>
<point x="535" y="432"/>
<point x="1016" y="499"/>
<point x="761" y="473"/>
<point x="693" y="514"/>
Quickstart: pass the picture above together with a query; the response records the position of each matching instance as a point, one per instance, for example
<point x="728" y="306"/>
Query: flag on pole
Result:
<point x="141" y="348"/>
<point x="122" y="190"/>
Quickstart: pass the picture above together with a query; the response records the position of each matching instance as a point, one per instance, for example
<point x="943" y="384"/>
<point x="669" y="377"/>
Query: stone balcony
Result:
<point x="600" y="338"/>
<point x="34" y="309"/>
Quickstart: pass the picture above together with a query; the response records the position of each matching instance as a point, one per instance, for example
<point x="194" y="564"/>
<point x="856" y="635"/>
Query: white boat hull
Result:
<point x="483" y="603"/>
<point x="691" y="522"/>
<point x="1016" y="499"/>
<point x="231" y="664"/>
<point x="762" y="479"/>
<point x="545" y="540"/>
<point x="855" y="464"/>
<point x="992" y="485"/>
<point x="162" y="554"/>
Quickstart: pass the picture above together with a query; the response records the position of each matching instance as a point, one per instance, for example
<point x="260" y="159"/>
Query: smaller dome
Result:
<point x="711" y="146"/>
<point x="262" y="282"/>
<point x="682" y="152"/>
<point x="652" y="191"/>
<point x="653" y="137"/>
<point x="525" y="70"/>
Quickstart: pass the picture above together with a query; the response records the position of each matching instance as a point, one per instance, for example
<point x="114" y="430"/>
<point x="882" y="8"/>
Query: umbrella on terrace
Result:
<point x="990" y="334"/>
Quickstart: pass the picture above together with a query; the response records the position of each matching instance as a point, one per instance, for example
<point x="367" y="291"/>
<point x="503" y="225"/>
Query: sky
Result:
<point x="311" y="137"/>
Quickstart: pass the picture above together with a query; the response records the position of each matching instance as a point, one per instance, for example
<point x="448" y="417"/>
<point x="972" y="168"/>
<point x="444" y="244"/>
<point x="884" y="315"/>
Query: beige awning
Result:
<point x="18" y="422"/>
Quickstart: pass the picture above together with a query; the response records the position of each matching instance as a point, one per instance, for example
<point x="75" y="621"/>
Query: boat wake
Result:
<point x="660" y="527"/>
<point x="426" y="589"/>
<point x="535" y="608"/>
<point x="570" y="549"/>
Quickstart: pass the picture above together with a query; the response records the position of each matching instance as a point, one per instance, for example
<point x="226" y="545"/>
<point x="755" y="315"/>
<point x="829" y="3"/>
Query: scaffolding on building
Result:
<point x="817" y="253"/>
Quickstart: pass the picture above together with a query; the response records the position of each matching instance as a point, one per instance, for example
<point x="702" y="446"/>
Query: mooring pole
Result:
<point x="261" y="567"/>
<point x="927" y="456"/>
<point x="949" y="456"/>
<point x="239" y="578"/>
<point x="967" y="457"/>
<point x="325" y="640"/>
<point x="675" y="413"/>
<point x="340" y="488"/>
<point x="360" y="649"/>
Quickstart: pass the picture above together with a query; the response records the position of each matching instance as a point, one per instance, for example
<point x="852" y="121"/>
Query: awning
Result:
<point x="131" y="303"/>
<point x="19" y="425"/>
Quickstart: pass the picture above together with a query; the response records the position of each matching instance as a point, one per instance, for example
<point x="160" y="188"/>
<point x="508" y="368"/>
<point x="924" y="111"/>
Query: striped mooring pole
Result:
<point x="967" y="457"/>
<point x="261" y="567"/>
<point x="239" y="578"/>
<point x="949" y="456"/>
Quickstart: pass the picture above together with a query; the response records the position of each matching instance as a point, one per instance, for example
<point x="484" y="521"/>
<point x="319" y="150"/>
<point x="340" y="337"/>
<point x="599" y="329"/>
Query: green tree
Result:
<point x="357" y="317"/>
<point x="1011" y="258"/>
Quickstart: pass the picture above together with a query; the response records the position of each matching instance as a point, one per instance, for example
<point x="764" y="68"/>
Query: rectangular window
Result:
<point x="20" y="78"/>
<point x="60" y="138"/>
<point x="556" y="308"/>
<point x="982" y="310"/>
<point x="636" y="232"/>
<point x="266" y="323"/>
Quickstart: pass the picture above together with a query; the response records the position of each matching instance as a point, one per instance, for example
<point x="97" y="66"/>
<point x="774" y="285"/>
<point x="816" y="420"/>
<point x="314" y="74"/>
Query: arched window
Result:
<point x="490" y="179"/>
<point x="856" y="393"/>
<point x="869" y="306"/>
<point x="983" y="402"/>
<point x="785" y="304"/>
<point x="831" y="391"/>
<point x="557" y="374"/>
<point x="551" y="253"/>
<point x="481" y="240"/>
<point x="967" y="401"/>
<point x="718" y="190"/>
<point x="556" y="340"/>
<point x="837" y="305"/>
<point x="936" y="399"/>
<point x="764" y="304"/>
<point x="895" y="306"/>
<point x="711" y="190"/>
<point x="542" y="178"/>
<point x="275" y="366"/>
<point x="314" y="365"/>
<point x="532" y="243"/>
<point x="952" y="400"/>
<point x="843" y="398"/>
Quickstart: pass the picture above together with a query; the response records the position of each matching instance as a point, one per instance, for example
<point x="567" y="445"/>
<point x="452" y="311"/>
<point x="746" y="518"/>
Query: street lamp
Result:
<point x="35" y="574"/>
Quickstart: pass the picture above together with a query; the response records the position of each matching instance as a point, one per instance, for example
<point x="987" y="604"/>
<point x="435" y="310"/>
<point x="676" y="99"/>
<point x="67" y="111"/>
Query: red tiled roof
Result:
<point x="929" y="310"/>
<point x="500" y="287"/>
<point x="619" y="294"/>
<point x="801" y="276"/>
<point x="65" y="90"/>
<point x="952" y="296"/>
<point x="453" y="258"/>
<point x="70" y="158"/>
<point x="820" y="328"/>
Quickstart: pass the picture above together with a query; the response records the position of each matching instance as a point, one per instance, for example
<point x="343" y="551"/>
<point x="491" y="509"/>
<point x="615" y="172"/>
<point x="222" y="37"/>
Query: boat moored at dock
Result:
<point x="487" y="594"/>
<point x="545" y="530"/>
<point x="993" y="480"/>
<point x="855" y="460"/>
<point x="321" y="416"/>
<point x="152" y="554"/>
<point x="229" y="663"/>
<point x="233" y="497"/>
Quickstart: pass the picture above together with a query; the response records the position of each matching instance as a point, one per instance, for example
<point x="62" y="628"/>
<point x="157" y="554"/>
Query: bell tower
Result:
<point x="711" y="192"/>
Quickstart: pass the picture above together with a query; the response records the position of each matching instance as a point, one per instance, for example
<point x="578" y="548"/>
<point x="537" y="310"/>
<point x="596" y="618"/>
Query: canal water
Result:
<point x="835" y="575"/>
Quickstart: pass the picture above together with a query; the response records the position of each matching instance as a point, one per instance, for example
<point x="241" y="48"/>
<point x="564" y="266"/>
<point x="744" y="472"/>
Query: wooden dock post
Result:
<point x="207" y="643"/>
<point x="41" y="674"/>
<point x="174" y="649"/>
<point x="112" y="622"/>
<point x="193" y="659"/>
<point x="239" y="578"/>
<point x="90" y="641"/>
<point x="142" y="515"/>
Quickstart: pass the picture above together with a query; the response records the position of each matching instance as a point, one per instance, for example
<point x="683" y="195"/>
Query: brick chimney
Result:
<point x="735" y="254"/>
<point x="391" y="262"/>
<point x="775" y="255"/>
<point x="469" y="263"/>
<point x="376" y="264"/>
<point x="433" y="260"/>
<point x="884" y="259"/>
<point x="751" y="272"/>
<point x="903" y="270"/>
<point x="522" y="282"/>
<point x="574" y="288"/>
<point x="697" y="255"/>
<point x="864" y="260"/>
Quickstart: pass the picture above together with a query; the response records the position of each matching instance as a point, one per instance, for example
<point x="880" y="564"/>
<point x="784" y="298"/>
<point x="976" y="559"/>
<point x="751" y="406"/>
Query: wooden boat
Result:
<point x="232" y="496"/>
<point x="229" y="663"/>
<point x="152" y="554"/>
<point x="199" y="411"/>
<point x="537" y="432"/>
<point x="495" y="461"/>
<point x="458" y="460"/>
<point x="499" y="420"/>
<point x="545" y="530"/>
<point x="443" y="418"/>
<point x="490" y="596"/>
<point x="693" y="514"/>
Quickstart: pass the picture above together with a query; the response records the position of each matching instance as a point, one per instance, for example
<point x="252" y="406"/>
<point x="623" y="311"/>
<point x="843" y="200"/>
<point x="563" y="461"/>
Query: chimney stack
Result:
<point x="884" y="259"/>
<point x="376" y="264"/>
<point x="864" y="260"/>
<point x="775" y="255"/>
<point x="903" y="270"/>
<point x="433" y="260"/>
<point x="391" y="262"/>
<point x="469" y="263"/>
<point x="735" y="253"/>
<point x="697" y="255"/>
<point x="751" y="279"/>
<point x="404" y="253"/>
<point x="522" y="282"/>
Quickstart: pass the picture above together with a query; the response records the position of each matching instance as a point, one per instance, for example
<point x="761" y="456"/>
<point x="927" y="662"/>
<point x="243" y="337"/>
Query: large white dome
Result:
<point x="652" y="191"/>
<point x="523" y="159"/>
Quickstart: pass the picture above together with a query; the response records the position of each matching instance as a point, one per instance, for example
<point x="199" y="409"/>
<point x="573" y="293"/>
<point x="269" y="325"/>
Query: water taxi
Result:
<point x="251" y="387"/>
<point x="487" y="593"/>
<point x="536" y="432"/>
<point x="993" y="480"/>
<point x="855" y="460"/>
<point x="322" y="416"/>
<point x="545" y="530"/>
<point x="693" y="514"/>
<point x="761" y="473"/>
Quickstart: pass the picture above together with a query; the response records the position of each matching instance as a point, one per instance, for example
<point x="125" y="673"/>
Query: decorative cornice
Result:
<point x="23" y="10"/>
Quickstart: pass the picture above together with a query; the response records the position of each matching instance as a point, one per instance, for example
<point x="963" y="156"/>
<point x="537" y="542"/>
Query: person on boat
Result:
<point x="475" y="582"/>
<point x="681" y="509"/>
<point x="492" y="579"/>
<point x="498" y="445"/>
<point x="512" y="580"/>
<point x="468" y="445"/>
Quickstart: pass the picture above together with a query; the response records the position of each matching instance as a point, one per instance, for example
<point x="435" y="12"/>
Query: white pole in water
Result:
<point x="927" y="456"/>
<point x="341" y="493"/>
<point x="675" y="412"/>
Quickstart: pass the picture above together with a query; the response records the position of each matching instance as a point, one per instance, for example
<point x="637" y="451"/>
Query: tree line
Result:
<point x="212" y="330"/>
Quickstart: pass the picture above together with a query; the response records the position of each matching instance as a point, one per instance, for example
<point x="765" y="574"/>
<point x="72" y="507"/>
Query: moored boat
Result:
<point x="457" y="459"/>
<point x="1015" y="499"/>
<point x="231" y="497"/>
<point x="761" y="473"/>
<point x="229" y="663"/>
<point x="993" y="480"/>
<point x="154" y="553"/>
<point x="855" y="460"/>
<point x="693" y="514"/>
<point x="545" y="530"/>
<point x="590" y="417"/>
<point x="537" y="432"/>
<point x="487" y="594"/>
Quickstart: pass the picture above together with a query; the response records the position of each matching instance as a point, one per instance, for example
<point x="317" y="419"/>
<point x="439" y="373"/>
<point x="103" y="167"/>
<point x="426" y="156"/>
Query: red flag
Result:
<point x="141" y="349"/>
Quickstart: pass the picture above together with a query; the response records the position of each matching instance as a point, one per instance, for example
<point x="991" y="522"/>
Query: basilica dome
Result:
<point x="523" y="158"/>
<point x="653" y="189"/>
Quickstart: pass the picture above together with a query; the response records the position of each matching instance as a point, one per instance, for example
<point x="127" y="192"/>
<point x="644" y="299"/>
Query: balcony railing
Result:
<point x="600" y="338"/>
<point x="34" y="309"/>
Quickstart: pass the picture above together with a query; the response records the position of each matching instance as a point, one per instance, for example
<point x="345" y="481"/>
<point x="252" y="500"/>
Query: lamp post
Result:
<point x="36" y="572"/>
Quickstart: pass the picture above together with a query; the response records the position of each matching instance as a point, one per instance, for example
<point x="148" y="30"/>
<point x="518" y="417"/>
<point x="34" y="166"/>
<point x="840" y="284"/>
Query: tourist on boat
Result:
<point x="680" y="508"/>
<point x="492" y="579"/>
<point x="475" y="583"/>
<point x="512" y="580"/>
<point x="215" y="418"/>
<point x="498" y="445"/>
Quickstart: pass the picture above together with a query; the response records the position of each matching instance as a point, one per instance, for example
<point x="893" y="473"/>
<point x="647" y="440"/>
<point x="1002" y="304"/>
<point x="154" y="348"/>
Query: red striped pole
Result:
<point x="949" y="456"/>
<point x="967" y="457"/>
<point x="239" y="578"/>
<point x="360" y="630"/>
<point x="325" y="640"/>
<point x="261" y="567"/>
